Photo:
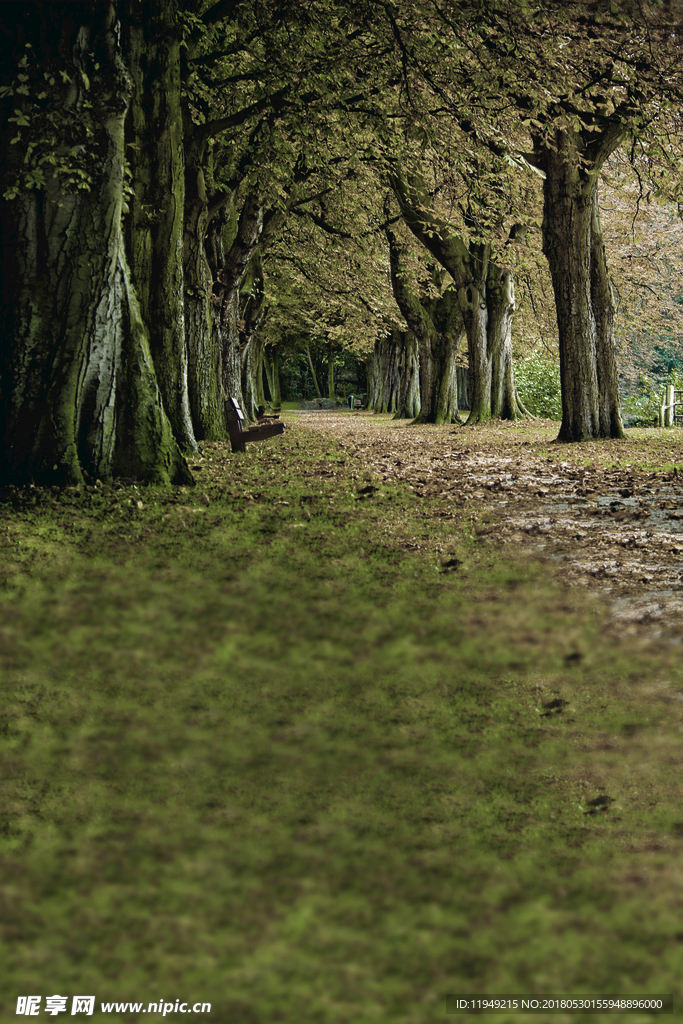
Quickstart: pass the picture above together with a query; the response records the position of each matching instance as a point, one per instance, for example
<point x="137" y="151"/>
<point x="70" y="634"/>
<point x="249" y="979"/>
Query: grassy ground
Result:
<point x="313" y="752"/>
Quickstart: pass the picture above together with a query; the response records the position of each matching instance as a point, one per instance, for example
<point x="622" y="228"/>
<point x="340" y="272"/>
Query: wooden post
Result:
<point x="669" y="402"/>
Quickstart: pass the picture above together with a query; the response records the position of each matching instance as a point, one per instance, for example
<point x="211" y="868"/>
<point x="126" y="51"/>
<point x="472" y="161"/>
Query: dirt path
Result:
<point x="605" y="515"/>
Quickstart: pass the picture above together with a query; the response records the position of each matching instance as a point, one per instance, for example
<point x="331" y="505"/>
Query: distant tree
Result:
<point x="485" y="293"/>
<point x="433" y="314"/>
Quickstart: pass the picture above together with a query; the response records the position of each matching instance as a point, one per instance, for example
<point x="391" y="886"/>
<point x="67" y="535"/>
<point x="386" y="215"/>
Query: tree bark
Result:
<point x="395" y="375"/>
<point x="604" y="307"/>
<point x="408" y="402"/>
<point x="383" y="375"/>
<point x="273" y="372"/>
<point x="330" y="372"/>
<point x="80" y="398"/>
<point x="312" y="369"/>
<point x="154" y="227"/>
<point x="501" y="299"/>
<point x="463" y="378"/>
<point x="252" y="311"/>
<point x="218" y="281"/>
<point x="208" y="322"/>
<point x="572" y="242"/>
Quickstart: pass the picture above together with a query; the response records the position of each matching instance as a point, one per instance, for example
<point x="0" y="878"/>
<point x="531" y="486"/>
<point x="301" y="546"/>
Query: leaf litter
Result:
<point x="606" y="515"/>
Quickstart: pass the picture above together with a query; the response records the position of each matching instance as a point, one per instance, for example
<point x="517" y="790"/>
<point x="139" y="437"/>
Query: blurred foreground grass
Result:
<point x="310" y="754"/>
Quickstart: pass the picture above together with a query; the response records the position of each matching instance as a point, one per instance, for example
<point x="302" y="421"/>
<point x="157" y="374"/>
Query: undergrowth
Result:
<point x="302" y="746"/>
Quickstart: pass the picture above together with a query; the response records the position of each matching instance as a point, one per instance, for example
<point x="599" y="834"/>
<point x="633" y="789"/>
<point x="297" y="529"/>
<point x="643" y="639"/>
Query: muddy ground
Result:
<point x="604" y="515"/>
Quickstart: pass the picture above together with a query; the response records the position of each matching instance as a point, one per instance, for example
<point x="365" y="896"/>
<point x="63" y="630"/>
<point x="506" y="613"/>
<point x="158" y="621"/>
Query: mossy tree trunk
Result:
<point x="227" y="349"/>
<point x="272" y="366"/>
<point x="252" y="310"/>
<point x="206" y="320"/>
<point x="154" y="227"/>
<point x="80" y="397"/>
<point x="239" y="272"/>
<point x="572" y="242"/>
<point x="223" y="248"/>
<point x="445" y="313"/>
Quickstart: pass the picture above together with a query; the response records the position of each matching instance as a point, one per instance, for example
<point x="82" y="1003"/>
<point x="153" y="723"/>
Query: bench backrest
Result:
<point x="239" y="436"/>
<point x="235" y="417"/>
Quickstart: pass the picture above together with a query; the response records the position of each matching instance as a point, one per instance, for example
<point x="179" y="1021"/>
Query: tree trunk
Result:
<point x="213" y="278"/>
<point x="228" y="346"/>
<point x="505" y="404"/>
<point x="383" y="377"/>
<point x="447" y="397"/>
<point x="80" y="397"/>
<point x="209" y="324"/>
<point x="395" y="375"/>
<point x="154" y="228"/>
<point x="330" y="372"/>
<point x="312" y="369"/>
<point x="408" y="404"/>
<point x="444" y="310"/>
<point x="252" y="388"/>
<point x="236" y="265"/>
<point x="463" y="376"/>
<point x="604" y="308"/>
<point x="274" y="379"/>
<point x="252" y="310"/>
<point x="573" y="245"/>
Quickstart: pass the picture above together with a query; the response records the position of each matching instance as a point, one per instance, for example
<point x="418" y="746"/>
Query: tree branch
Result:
<point x="222" y="124"/>
<point x="321" y="223"/>
<point x="221" y="9"/>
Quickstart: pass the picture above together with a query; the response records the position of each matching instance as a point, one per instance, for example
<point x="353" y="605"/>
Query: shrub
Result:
<point x="641" y="408"/>
<point x="538" y="386"/>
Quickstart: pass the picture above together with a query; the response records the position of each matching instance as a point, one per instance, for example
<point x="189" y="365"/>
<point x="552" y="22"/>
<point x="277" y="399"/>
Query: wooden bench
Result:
<point x="239" y="436"/>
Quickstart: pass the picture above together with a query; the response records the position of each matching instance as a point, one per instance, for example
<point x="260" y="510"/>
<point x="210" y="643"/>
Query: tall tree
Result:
<point x="616" y="73"/>
<point x="581" y="79"/>
<point x="80" y="397"/>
